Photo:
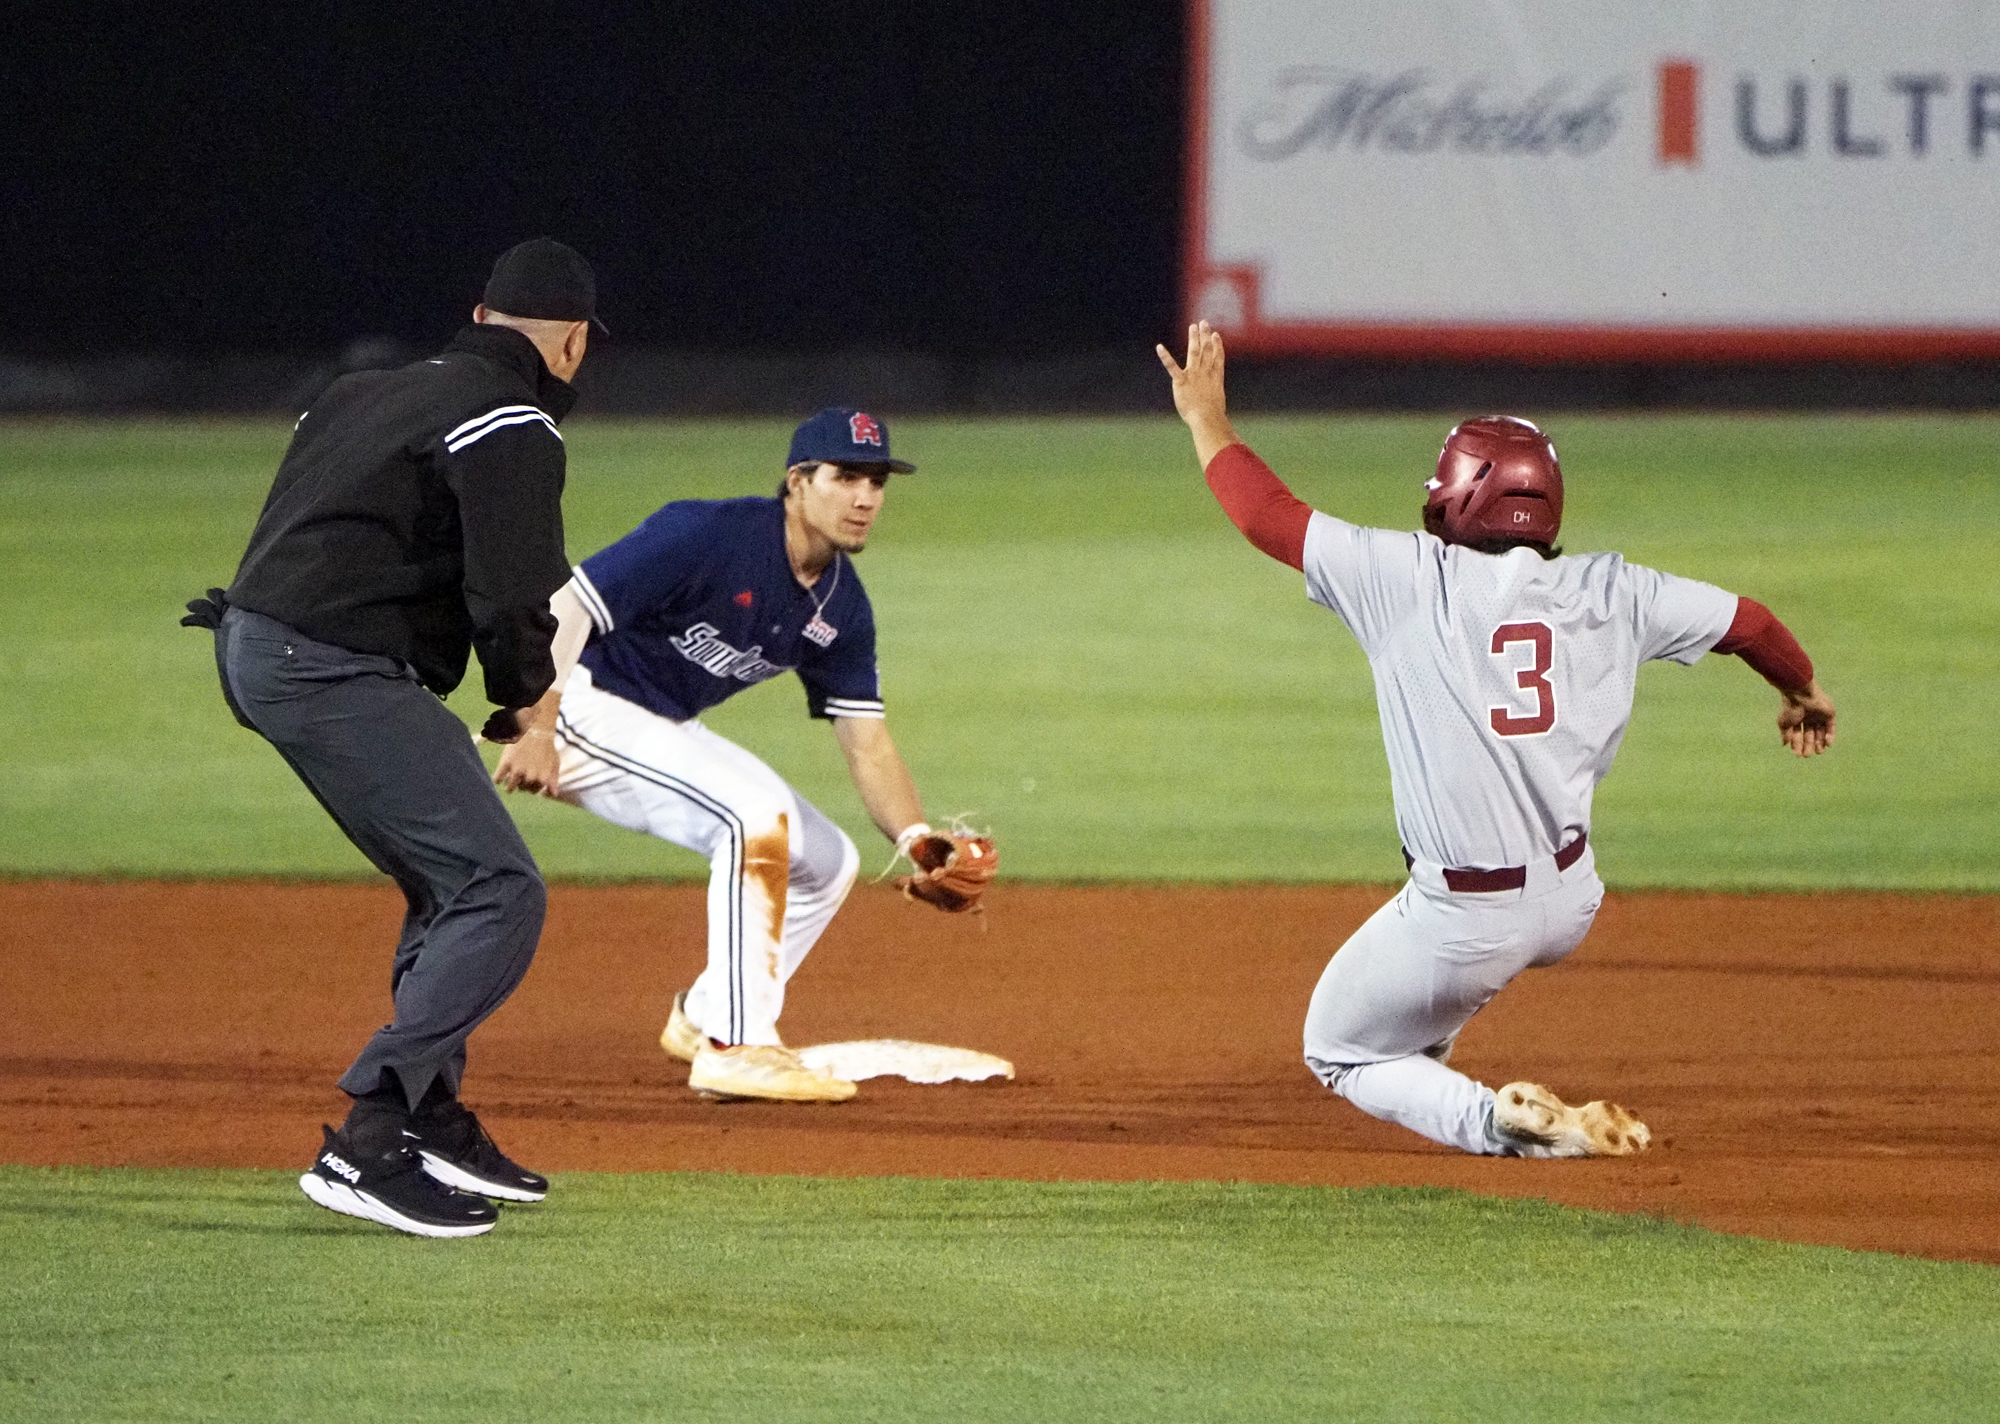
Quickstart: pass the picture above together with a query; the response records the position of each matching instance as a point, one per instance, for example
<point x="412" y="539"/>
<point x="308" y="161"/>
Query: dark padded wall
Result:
<point x="772" y="176"/>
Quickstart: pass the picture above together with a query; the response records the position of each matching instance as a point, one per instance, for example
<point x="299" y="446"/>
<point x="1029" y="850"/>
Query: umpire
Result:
<point x="418" y="515"/>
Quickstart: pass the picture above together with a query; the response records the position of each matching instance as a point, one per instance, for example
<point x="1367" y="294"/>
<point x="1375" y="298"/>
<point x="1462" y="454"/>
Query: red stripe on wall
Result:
<point x="1679" y="80"/>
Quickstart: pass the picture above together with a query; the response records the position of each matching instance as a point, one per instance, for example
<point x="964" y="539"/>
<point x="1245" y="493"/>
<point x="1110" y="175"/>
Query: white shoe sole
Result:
<point x="453" y="1175"/>
<point x="349" y="1201"/>
<point x="736" y="1093"/>
<point x="1543" y="1125"/>
<point x="793" y="1087"/>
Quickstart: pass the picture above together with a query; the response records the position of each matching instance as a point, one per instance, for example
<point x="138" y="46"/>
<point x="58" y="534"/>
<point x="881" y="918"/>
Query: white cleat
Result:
<point x="680" y="1038"/>
<point x="751" y="1070"/>
<point x="1537" y="1123"/>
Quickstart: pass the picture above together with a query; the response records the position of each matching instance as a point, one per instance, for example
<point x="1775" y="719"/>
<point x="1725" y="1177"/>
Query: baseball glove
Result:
<point x="953" y="871"/>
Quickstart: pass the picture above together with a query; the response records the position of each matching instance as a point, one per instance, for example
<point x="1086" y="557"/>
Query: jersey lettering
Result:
<point x="1531" y="679"/>
<point x="700" y="646"/>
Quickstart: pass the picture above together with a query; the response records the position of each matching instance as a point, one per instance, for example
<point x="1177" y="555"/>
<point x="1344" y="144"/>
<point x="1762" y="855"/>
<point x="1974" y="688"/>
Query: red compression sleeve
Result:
<point x="1756" y="636"/>
<point x="1257" y="502"/>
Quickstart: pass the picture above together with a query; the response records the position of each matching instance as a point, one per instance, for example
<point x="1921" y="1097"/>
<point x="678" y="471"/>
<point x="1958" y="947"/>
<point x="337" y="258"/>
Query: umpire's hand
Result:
<point x="531" y="764"/>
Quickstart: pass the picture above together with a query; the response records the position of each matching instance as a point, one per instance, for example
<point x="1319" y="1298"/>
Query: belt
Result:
<point x="1507" y="877"/>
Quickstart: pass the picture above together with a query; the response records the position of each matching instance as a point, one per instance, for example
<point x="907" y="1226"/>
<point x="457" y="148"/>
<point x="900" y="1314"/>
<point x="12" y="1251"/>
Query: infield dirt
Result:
<point x="1821" y="1068"/>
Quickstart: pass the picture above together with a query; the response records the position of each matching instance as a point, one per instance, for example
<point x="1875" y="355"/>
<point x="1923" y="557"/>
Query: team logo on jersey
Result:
<point x="820" y="631"/>
<point x="700" y="646"/>
<point x="865" y="430"/>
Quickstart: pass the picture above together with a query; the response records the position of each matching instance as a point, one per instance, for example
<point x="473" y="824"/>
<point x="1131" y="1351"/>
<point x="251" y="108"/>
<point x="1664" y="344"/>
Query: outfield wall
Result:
<point x="1633" y="180"/>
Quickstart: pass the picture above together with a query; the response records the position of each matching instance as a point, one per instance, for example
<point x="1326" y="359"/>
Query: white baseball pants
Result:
<point x="778" y="868"/>
<point x="1386" y="1011"/>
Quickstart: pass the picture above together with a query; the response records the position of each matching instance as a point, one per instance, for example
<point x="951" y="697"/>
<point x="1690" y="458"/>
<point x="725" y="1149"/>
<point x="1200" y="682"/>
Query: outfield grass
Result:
<point x="1077" y="648"/>
<point x="223" y="1295"/>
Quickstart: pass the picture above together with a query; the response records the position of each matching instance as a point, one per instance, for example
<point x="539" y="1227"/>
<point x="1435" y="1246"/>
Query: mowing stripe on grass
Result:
<point x="223" y="1295"/>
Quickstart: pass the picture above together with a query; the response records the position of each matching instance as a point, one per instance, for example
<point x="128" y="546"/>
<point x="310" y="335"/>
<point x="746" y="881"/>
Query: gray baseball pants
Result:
<point x="1389" y="1006"/>
<point x="399" y="774"/>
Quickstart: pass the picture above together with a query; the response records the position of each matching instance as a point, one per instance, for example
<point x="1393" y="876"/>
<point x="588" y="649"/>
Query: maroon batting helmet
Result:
<point x="1497" y="478"/>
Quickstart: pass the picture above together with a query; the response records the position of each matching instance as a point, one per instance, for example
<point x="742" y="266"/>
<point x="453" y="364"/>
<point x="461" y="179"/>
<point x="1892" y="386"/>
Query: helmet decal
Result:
<point x="1497" y="478"/>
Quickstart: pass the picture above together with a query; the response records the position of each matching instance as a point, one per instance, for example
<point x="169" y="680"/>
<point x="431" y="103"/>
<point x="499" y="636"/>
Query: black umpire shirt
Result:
<point x="418" y="514"/>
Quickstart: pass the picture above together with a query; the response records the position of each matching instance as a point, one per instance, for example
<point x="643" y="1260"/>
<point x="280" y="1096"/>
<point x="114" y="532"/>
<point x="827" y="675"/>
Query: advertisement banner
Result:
<point x="1535" y="180"/>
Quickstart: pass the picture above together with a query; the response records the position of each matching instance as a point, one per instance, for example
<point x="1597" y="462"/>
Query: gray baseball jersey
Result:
<point x="1504" y="682"/>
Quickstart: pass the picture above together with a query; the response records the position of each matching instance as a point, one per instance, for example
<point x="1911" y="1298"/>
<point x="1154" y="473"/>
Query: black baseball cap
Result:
<point x="544" y="280"/>
<point x="841" y="435"/>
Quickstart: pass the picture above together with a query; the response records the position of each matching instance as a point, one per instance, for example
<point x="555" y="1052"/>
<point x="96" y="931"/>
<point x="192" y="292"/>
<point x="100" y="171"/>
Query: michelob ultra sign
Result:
<point x="1539" y="179"/>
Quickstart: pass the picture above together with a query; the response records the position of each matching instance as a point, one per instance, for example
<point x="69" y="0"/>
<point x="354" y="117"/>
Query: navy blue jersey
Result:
<point x="699" y="602"/>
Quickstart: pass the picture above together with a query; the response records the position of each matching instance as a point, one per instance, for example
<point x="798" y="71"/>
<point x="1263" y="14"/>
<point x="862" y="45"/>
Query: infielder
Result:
<point x="704" y="599"/>
<point x="1504" y="674"/>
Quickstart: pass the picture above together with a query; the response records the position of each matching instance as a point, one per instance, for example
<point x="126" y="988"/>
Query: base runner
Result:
<point x="1504" y="676"/>
<point x="704" y="599"/>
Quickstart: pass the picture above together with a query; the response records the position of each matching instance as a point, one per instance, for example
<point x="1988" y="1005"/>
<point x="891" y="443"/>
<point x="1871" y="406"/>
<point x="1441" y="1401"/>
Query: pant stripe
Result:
<point x="737" y="839"/>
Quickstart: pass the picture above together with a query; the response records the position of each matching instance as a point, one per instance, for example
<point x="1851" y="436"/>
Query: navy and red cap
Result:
<point x="840" y="435"/>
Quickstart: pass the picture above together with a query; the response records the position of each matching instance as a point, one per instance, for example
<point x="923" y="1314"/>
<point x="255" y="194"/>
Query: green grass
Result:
<point x="1077" y="648"/>
<point x="222" y="1295"/>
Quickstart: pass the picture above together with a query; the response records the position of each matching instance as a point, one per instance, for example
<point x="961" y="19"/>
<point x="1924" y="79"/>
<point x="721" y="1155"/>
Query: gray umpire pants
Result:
<point x="399" y="774"/>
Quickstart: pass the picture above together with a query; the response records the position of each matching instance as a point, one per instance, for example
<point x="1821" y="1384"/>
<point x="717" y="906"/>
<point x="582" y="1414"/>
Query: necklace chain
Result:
<point x="819" y="604"/>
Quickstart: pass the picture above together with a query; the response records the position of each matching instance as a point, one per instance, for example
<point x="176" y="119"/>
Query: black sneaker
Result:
<point x="391" y="1187"/>
<point x="456" y="1150"/>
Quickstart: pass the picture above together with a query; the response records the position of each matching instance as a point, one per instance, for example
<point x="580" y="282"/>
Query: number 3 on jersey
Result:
<point x="1531" y="679"/>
